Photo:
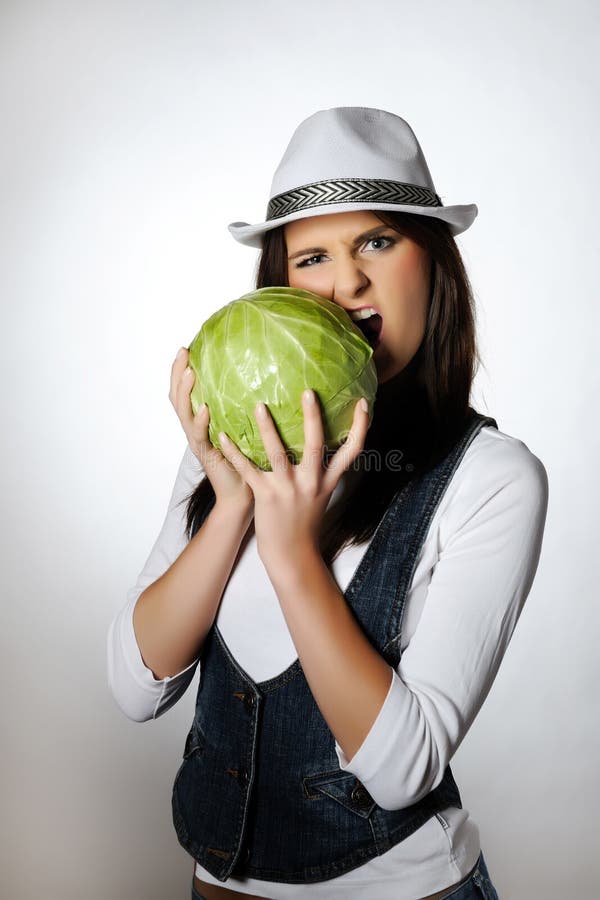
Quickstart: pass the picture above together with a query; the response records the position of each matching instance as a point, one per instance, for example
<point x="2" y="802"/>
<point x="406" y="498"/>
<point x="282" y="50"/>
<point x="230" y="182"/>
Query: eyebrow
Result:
<point x="357" y="240"/>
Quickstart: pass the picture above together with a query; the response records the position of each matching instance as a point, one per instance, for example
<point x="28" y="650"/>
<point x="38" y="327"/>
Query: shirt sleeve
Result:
<point x="488" y="556"/>
<point x="140" y="695"/>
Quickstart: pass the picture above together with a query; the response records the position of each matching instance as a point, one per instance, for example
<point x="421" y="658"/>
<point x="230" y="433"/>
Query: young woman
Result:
<point x="348" y="614"/>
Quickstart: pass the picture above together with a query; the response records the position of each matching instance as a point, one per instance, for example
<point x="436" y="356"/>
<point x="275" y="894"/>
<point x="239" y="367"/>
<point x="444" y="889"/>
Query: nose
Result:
<point x="349" y="282"/>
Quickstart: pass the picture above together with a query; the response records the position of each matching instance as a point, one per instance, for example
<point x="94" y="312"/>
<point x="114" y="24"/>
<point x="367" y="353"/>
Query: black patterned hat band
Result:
<point x="352" y="158"/>
<point x="350" y="190"/>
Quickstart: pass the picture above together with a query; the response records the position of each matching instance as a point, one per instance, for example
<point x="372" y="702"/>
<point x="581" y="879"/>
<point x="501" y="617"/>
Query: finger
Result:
<point x="198" y="436"/>
<point x="274" y="449"/>
<point x="245" y="468"/>
<point x="177" y="368"/>
<point x="312" y="455"/>
<point x="183" y="403"/>
<point x="211" y="457"/>
<point x="182" y="383"/>
<point x="347" y="453"/>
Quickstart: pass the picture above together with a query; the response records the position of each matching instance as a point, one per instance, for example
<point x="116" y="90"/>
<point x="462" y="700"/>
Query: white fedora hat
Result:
<point x="352" y="158"/>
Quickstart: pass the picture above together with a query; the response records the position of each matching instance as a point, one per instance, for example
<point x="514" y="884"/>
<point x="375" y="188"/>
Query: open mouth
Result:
<point x="370" y="323"/>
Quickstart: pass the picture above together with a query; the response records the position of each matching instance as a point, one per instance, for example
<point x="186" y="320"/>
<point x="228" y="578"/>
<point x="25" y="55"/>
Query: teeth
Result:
<point x="358" y="314"/>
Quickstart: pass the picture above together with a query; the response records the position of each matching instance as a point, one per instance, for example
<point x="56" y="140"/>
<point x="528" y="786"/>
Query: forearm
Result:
<point x="347" y="676"/>
<point x="174" y="614"/>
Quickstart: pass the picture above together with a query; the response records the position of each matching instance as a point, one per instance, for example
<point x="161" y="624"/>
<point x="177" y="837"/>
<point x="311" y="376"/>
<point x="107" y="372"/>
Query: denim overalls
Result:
<point x="260" y="793"/>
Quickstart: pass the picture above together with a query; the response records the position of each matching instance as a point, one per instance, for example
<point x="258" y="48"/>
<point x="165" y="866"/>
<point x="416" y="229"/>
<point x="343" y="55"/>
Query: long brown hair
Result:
<point x="418" y="413"/>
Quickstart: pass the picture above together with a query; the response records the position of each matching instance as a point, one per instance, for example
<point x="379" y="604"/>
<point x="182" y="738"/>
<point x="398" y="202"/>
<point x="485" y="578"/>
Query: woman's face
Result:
<point x="358" y="262"/>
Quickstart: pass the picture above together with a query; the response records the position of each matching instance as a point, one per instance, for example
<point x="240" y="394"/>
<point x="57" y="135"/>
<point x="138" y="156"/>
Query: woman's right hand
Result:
<point x="228" y="485"/>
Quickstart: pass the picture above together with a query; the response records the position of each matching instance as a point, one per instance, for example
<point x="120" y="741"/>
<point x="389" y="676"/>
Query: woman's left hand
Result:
<point x="289" y="501"/>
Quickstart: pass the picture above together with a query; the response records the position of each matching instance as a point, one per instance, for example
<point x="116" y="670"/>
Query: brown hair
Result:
<point x="418" y="413"/>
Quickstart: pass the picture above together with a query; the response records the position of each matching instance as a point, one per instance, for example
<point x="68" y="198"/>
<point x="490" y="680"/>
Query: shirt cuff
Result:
<point x="140" y="695"/>
<point x="365" y="761"/>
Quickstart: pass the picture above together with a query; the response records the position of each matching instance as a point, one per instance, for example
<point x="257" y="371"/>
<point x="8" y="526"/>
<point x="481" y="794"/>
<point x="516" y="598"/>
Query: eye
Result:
<point x="387" y="241"/>
<point x="308" y="261"/>
<point x="382" y="238"/>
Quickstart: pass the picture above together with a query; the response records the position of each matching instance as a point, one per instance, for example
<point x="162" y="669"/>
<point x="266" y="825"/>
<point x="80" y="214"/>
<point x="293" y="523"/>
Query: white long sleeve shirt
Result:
<point x="473" y="574"/>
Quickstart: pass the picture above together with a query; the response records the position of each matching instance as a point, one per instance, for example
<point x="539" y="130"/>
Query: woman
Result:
<point x="349" y="617"/>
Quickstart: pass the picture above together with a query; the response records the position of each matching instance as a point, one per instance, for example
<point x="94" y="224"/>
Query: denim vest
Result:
<point x="260" y="793"/>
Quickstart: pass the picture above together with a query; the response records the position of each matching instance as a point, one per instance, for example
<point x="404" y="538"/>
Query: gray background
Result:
<point x="132" y="134"/>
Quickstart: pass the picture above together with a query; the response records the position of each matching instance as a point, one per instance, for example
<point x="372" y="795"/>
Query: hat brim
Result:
<point x="459" y="218"/>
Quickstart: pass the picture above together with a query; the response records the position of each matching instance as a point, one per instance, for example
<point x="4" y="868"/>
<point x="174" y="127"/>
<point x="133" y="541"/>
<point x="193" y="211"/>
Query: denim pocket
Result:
<point x="343" y="787"/>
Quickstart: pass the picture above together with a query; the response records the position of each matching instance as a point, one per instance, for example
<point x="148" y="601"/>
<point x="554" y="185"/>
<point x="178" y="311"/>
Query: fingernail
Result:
<point x="364" y="405"/>
<point x="261" y="410"/>
<point x="188" y="371"/>
<point x="179" y="352"/>
<point x="309" y="396"/>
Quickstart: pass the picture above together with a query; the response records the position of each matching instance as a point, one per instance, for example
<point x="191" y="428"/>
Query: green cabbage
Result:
<point x="269" y="345"/>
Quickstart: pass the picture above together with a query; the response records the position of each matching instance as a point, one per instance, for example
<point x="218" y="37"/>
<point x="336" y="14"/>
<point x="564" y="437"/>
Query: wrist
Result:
<point x="292" y="565"/>
<point x="234" y="511"/>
